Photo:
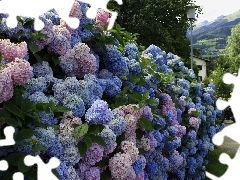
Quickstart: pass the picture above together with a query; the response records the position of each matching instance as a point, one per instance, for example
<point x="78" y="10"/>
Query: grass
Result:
<point x="214" y="166"/>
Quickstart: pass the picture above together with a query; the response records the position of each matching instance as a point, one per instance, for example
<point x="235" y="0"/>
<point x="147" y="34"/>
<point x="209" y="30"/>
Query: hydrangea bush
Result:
<point x="105" y="108"/>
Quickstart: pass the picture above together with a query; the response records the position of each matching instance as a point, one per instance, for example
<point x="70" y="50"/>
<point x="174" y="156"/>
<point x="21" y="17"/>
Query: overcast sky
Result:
<point x="214" y="8"/>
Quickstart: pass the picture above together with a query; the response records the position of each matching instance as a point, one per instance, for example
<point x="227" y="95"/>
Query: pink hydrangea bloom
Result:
<point x="195" y="122"/>
<point x="6" y="85"/>
<point x="78" y="61"/>
<point x="21" y="71"/>
<point x="120" y="165"/>
<point x="76" y="10"/>
<point x="131" y="174"/>
<point x="103" y="18"/>
<point x="10" y="51"/>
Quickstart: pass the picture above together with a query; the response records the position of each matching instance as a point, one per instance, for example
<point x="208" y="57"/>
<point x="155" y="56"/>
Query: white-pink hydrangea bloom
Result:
<point x="10" y="51"/>
<point x="194" y="122"/>
<point x="6" y="85"/>
<point x="191" y="110"/>
<point x="145" y="143"/>
<point x="21" y="71"/>
<point x="130" y="148"/>
<point x="131" y="175"/>
<point x="120" y="166"/>
<point x="62" y="30"/>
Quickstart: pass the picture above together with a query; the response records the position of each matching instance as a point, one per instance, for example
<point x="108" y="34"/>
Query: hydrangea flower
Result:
<point x="99" y="113"/>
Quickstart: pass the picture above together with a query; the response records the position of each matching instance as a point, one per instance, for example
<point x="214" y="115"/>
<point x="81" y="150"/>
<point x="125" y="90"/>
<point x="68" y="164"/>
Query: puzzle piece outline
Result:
<point x="229" y="131"/>
<point x="44" y="170"/>
<point x="63" y="9"/>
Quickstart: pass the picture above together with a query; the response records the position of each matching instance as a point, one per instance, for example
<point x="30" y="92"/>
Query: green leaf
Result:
<point x="82" y="148"/>
<point x="55" y="60"/>
<point x="139" y="134"/>
<point x="11" y="122"/>
<point x="21" y="165"/>
<point x="95" y="129"/>
<point x="33" y="48"/>
<point x="157" y="126"/>
<point x="134" y="79"/>
<point x="28" y="22"/>
<point x="13" y="157"/>
<point x="145" y="123"/>
<point x="46" y="57"/>
<point x="141" y="151"/>
<point x="120" y="138"/>
<point x="38" y="58"/>
<point x="106" y="175"/>
<point x="13" y="109"/>
<point x="81" y="130"/>
<point x="39" y="147"/>
<point x="103" y="162"/>
<point x="145" y="95"/>
<point x="55" y="172"/>
<point x="19" y="19"/>
<point x="99" y="140"/>
<point x="19" y="34"/>
<point x="135" y="96"/>
<point x="151" y="101"/>
<point x="88" y="141"/>
<point x="61" y="109"/>
<point x="24" y="134"/>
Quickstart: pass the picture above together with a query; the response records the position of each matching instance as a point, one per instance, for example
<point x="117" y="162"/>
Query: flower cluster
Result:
<point x="10" y="50"/>
<point x="170" y="140"/>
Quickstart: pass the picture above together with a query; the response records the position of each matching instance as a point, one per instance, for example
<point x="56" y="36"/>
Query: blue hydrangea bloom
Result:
<point x="76" y="104"/>
<point x="118" y="124"/>
<point x="138" y="165"/>
<point x="99" y="113"/>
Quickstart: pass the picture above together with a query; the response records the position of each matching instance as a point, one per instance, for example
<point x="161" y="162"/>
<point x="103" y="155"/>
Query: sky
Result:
<point x="215" y="8"/>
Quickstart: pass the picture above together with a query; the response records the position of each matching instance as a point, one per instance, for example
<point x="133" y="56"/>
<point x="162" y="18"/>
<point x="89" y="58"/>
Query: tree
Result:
<point x="233" y="49"/>
<point x="160" y="22"/>
<point x="227" y="63"/>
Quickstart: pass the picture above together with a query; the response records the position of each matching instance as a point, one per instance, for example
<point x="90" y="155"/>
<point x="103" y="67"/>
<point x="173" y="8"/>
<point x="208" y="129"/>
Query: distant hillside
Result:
<point x="211" y="37"/>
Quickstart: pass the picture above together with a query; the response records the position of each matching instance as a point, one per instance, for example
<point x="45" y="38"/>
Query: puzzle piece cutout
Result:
<point x="233" y="167"/>
<point x="8" y="132"/>
<point x="16" y="8"/>
<point x="8" y="141"/>
<point x="44" y="170"/>
<point x="230" y="131"/>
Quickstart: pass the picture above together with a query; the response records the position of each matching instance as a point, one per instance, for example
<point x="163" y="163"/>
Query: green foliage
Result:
<point x="128" y="96"/>
<point x="89" y="134"/>
<point x="118" y="34"/>
<point x="160" y="22"/>
<point x="227" y="63"/>
<point x="20" y="113"/>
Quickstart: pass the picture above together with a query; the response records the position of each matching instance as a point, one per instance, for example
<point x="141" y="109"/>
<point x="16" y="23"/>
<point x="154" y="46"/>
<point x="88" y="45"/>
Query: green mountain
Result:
<point x="211" y="38"/>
